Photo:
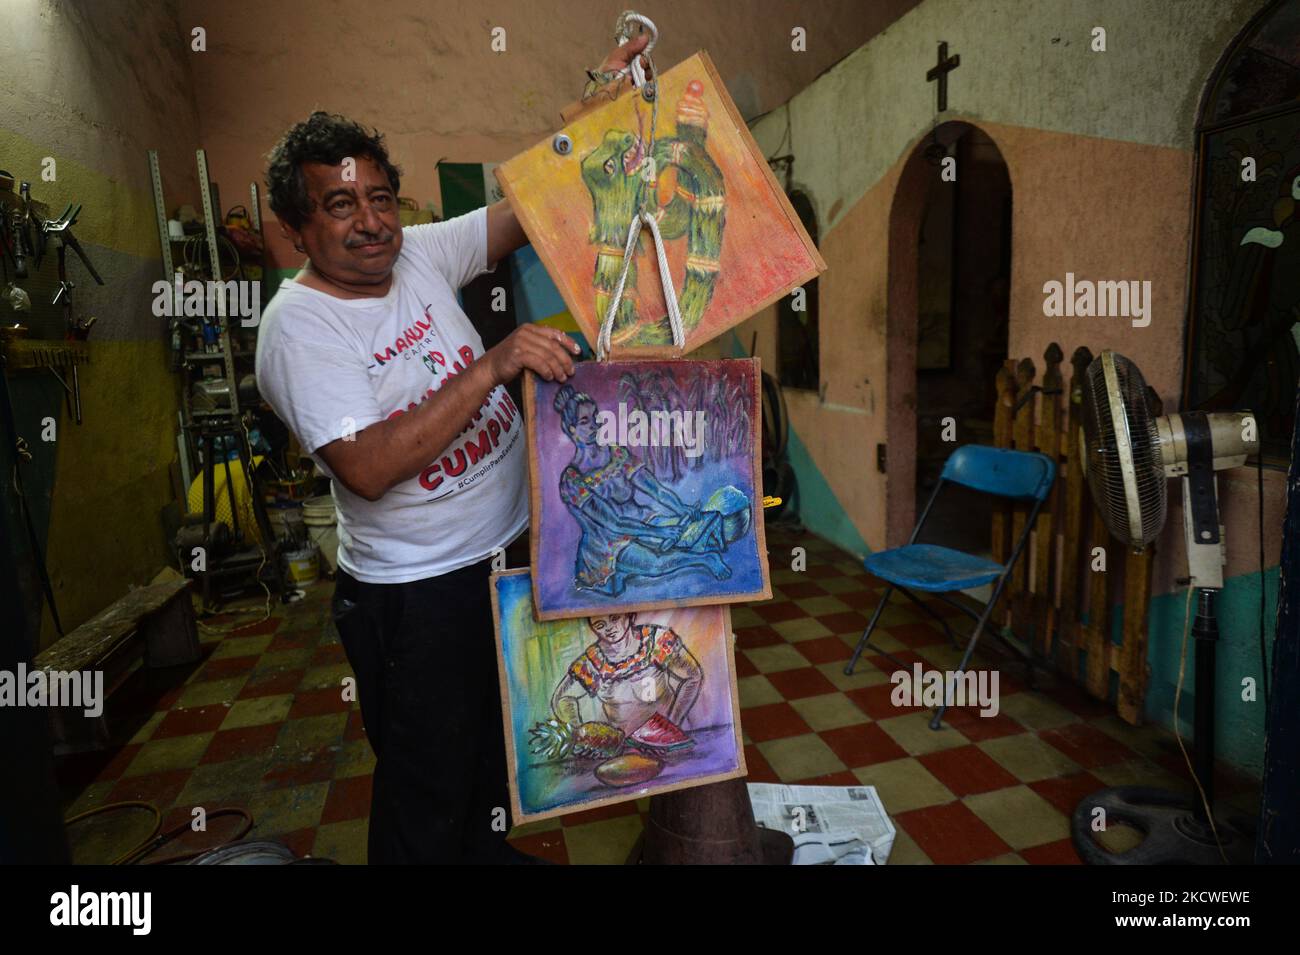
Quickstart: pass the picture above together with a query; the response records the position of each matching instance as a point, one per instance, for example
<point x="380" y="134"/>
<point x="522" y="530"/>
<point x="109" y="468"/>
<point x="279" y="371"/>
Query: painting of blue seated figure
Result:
<point x="646" y="487"/>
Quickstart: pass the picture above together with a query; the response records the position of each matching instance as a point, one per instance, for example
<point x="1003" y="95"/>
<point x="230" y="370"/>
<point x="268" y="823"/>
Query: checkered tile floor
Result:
<point x="259" y="724"/>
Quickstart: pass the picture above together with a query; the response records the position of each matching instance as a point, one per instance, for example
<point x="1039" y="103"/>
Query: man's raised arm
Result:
<point x="504" y="233"/>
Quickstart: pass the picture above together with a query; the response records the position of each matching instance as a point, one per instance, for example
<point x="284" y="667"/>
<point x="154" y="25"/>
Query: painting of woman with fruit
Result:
<point x="607" y="708"/>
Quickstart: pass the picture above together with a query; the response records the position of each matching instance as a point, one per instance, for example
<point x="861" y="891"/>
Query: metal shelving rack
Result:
<point x="192" y="363"/>
<point x="208" y="430"/>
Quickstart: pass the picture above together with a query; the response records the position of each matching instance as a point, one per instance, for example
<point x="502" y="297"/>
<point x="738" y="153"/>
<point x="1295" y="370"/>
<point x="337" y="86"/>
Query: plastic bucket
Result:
<point x="318" y="511"/>
<point x="302" y="567"/>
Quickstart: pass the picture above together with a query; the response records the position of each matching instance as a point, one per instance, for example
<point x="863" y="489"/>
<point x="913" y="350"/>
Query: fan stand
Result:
<point x="1175" y="828"/>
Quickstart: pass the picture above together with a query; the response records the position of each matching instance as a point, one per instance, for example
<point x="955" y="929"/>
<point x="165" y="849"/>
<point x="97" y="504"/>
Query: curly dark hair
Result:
<point x="325" y="138"/>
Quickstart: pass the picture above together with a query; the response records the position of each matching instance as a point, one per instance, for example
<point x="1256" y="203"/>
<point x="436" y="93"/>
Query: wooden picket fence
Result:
<point x="1056" y="602"/>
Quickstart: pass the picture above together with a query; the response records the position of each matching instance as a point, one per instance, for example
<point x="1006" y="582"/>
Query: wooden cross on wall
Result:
<point x="940" y="72"/>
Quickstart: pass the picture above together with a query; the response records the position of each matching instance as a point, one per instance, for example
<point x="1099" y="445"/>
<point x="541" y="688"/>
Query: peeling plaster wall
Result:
<point x="429" y="80"/>
<point x="1099" y="151"/>
<point x="1022" y="64"/>
<point x="1098" y="146"/>
<point x="94" y="86"/>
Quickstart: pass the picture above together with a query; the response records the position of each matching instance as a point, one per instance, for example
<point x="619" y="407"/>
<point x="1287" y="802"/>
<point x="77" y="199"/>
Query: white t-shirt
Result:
<point x="330" y="366"/>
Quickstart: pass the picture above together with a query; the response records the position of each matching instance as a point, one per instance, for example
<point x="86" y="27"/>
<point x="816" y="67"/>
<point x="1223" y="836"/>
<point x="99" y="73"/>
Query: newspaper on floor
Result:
<point x="830" y="825"/>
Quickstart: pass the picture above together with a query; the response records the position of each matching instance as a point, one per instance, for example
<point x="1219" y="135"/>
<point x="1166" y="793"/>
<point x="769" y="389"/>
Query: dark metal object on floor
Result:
<point x="1174" y="829"/>
<point x="216" y="535"/>
<point x="255" y="853"/>
<point x="229" y="851"/>
<point x="709" y="825"/>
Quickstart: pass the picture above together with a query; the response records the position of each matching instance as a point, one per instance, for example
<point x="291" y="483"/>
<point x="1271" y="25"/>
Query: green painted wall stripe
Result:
<point x="114" y="216"/>
<point x="818" y="507"/>
<point x="1238" y="724"/>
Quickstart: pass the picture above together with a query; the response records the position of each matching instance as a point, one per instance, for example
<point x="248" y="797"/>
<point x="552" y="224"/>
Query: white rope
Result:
<point x="623" y="34"/>
<point x="665" y="277"/>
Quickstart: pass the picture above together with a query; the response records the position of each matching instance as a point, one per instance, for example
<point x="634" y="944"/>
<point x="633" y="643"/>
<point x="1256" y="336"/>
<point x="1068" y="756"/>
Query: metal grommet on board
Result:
<point x="562" y="144"/>
<point x="648" y="92"/>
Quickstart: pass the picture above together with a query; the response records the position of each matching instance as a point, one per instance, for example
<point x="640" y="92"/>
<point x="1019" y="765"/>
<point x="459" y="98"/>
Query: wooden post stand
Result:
<point x="709" y="825"/>
<point x="1064" y="591"/>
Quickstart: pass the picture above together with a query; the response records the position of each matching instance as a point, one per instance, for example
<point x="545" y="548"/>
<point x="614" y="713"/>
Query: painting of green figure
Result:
<point x="732" y="244"/>
<point x="600" y="710"/>
<point x="618" y="174"/>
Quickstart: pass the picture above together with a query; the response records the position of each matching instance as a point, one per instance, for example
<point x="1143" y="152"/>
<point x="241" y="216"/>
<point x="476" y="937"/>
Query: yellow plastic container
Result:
<point x="302" y="567"/>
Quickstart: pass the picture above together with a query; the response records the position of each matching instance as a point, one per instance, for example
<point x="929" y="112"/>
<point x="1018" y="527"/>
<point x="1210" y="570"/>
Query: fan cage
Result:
<point x="1105" y="474"/>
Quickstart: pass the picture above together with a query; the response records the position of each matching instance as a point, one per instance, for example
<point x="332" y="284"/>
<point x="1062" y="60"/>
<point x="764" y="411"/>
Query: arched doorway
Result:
<point x="1243" y="333"/>
<point x="797" y="337"/>
<point x="949" y="297"/>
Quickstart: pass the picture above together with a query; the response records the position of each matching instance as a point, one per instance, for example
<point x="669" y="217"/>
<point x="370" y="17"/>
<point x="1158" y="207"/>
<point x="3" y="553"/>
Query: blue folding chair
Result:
<point x="1021" y="475"/>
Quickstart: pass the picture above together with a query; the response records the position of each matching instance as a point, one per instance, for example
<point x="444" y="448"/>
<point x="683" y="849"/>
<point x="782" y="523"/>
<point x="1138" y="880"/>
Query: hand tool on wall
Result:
<point x="40" y="235"/>
<point x="18" y="232"/>
<point x="76" y="331"/>
<point x="62" y="228"/>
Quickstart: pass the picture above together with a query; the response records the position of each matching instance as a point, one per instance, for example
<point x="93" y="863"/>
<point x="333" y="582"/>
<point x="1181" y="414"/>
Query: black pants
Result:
<point x="425" y="661"/>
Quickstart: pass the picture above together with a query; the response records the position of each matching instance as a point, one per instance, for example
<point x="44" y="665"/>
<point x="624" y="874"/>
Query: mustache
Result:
<point x="367" y="238"/>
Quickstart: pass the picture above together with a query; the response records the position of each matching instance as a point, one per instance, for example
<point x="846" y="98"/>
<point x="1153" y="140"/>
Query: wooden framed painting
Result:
<point x="734" y="243"/>
<point x="605" y="709"/>
<point x="646" y="487"/>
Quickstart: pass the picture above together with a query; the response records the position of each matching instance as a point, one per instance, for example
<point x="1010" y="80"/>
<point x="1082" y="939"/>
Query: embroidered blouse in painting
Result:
<point x="600" y="546"/>
<point x="593" y="670"/>
<point x="634" y="688"/>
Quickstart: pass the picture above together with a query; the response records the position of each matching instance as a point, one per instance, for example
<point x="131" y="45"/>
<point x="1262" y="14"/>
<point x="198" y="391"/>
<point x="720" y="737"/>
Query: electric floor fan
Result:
<point x="1129" y="454"/>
